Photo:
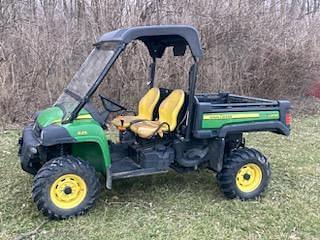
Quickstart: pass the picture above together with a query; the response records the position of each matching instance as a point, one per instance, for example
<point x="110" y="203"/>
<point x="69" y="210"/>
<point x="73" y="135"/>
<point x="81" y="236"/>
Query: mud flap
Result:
<point x="109" y="178"/>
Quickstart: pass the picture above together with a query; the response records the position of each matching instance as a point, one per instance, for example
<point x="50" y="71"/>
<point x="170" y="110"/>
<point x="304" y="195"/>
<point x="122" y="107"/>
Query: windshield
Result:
<point x="85" y="77"/>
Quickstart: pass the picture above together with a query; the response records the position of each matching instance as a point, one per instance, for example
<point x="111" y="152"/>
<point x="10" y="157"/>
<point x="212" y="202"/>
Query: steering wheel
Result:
<point x="110" y="105"/>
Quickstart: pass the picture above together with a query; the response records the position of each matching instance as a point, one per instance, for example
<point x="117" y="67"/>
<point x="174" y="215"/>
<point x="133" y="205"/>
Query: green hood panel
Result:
<point x="55" y="114"/>
<point x="49" y="116"/>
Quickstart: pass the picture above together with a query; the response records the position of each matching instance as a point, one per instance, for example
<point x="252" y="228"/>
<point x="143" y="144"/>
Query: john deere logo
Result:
<point x="82" y="132"/>
<point x="225" y="116"/>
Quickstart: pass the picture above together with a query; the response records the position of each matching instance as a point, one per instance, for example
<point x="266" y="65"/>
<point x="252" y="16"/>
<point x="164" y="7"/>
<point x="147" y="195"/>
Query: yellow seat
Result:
<point x="145" y="109"/>
<point x="168" y="116"/>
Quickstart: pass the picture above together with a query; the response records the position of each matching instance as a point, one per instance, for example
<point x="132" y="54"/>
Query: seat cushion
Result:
<point x="146" y="129"/>
<point x="126" y="121"/>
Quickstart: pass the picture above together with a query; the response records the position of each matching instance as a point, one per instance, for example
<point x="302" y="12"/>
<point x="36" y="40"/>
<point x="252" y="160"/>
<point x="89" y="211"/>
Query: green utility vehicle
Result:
<point x="67" y="149"/>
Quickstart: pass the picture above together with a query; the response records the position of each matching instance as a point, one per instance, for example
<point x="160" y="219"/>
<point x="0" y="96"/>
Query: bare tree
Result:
<point x="254" y="47"/>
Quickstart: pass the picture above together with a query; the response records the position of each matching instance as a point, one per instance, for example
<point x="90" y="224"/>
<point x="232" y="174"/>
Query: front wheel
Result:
<point x="65" y="187"/>
<point x="245" y="174"/>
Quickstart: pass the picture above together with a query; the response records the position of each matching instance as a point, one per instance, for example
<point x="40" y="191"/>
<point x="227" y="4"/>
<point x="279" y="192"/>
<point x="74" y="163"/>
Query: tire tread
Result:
<point x="226" y="178"/>
<point x="64" y="164"/>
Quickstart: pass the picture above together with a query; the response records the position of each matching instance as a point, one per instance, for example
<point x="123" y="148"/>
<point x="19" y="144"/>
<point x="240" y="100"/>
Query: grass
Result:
<point x="182" y="206"/>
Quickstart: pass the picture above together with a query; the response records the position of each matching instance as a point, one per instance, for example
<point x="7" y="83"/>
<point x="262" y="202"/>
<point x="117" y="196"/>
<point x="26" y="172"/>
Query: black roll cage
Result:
<point x="157" y="39"/>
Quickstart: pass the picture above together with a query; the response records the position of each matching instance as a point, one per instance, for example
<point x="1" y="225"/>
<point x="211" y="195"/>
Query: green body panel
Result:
<point x="49" y="116"/>
<point x="89" y="131"/>
<point x="53" y="115"/>
<point x="92" y="143"/>
<point x="218" y="120"/>
<point x="92" y="153"/>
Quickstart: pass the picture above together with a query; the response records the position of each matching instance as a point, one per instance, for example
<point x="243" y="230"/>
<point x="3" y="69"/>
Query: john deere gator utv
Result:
<point x="66" y="147"/>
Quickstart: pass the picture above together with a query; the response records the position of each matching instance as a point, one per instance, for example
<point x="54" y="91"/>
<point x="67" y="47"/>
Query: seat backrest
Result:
<point x="147" y="103"/>
<point x="170" y="107"/>
<point x="164" y="92"/>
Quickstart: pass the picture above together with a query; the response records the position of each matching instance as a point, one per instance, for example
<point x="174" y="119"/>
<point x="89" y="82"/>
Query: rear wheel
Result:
<point x="65" y="187"/>
<point x="245" y="174"/>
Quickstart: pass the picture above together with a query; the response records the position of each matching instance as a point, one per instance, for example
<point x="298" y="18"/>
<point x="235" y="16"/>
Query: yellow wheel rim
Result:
<point x="68" y="191"/>
<point x="249" y="177"/>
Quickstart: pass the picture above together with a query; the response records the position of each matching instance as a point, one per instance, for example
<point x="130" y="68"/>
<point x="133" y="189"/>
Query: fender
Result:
<point x="270" y="126"/>
<point x="79" y="131"/>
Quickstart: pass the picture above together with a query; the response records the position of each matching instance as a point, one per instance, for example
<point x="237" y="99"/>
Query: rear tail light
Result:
<point x="288" y="119"/>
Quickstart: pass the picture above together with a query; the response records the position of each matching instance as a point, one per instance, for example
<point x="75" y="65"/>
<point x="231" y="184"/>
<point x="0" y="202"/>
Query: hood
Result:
<point x="55" y="114"/>
<point x="49" y="116"/>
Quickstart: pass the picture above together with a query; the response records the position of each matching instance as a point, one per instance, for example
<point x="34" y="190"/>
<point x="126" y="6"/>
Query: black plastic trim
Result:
<point x="55" y="134"/>
<point x="159" y="37"/>
<point x="27" y="142"/>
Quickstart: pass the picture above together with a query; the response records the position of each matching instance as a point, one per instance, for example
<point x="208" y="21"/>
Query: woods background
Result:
<point x="267" y="48"/>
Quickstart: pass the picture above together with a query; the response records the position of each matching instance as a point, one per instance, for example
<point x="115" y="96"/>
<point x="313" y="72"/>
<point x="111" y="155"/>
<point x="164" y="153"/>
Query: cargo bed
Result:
<point x="219" y="114"/>
<point x="229" y="100"/>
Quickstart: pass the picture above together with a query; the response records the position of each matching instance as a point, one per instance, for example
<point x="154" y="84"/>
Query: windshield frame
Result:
<point x="85" y="99"/>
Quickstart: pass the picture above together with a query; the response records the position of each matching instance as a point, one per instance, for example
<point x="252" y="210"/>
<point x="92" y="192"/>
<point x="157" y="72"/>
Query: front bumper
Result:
<point x="29" y="151"/>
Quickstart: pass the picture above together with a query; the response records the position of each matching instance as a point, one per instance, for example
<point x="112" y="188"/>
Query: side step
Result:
<point x="126" y="168"/>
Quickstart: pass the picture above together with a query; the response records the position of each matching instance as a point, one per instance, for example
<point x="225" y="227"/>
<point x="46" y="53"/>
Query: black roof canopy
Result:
<point x="158" y="37"/>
